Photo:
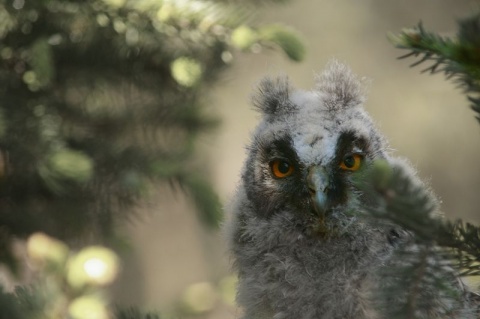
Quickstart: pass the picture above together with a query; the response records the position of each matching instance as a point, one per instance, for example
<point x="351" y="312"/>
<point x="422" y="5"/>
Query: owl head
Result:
<point x="309" y="146"/>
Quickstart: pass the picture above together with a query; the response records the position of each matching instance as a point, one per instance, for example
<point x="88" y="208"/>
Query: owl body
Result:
<point x="290" y="271"/>
<point x="299" y="247"/>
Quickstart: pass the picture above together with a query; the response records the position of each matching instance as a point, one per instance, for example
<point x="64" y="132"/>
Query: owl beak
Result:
<point x="318" y="183"/>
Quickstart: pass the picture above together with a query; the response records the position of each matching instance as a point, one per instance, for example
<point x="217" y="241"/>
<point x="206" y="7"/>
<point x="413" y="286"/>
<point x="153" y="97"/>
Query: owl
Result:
<point x="299" y="250"/>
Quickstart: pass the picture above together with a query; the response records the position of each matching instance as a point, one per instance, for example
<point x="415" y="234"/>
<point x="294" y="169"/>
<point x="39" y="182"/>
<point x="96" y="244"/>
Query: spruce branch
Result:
<point x="407" y="202"/>
<point x="457" y="57"/>
<point x="423" y="270"/>
<point x="412" y="273"/>
<point x="464" y="240"/>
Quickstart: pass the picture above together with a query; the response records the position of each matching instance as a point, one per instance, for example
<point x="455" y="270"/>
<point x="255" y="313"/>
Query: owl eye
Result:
<point x="281" y="168"/>
<point x="351" y="162"/>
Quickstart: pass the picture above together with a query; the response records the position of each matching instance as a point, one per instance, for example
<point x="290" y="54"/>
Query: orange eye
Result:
<point x="281" y="168"/>
<point x="351" y="162"/>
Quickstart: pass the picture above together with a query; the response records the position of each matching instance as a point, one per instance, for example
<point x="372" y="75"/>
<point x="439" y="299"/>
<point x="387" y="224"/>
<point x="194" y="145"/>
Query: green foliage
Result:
<point x="97" y="95"/>
<point x="90" y="101"/>
<point x="134" y="313"/>
<point x="285" y="38"/>
<point x="400" y="199"/>
<point x="66" y="283"/>
<point x="411" y="205"/>
<point x="205" y="200"/>
<point x="10" y="307"/>
<point x="7" y="255"/>
<point x="424" y="269"/>
<point x="410" y="281"/>
<point x="421" y="274"/>
<point x="31" y="301"/>
<point x="457" y="57"/>
<point x="41" y="61"/>
<point x="63" y="167"/>
<point x="246" y="38"/>
<point x="186" y="71"/>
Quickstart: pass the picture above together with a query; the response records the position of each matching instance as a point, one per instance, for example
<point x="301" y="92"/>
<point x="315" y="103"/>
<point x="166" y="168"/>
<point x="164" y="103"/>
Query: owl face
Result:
<point x="309" y="146"/>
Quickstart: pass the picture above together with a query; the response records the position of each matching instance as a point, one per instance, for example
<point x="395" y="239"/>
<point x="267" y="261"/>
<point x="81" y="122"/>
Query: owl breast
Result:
<point x="287" y="273"/>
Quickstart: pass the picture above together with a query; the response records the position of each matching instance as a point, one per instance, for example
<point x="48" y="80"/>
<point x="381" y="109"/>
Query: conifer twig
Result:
<point x="457" y="57"/>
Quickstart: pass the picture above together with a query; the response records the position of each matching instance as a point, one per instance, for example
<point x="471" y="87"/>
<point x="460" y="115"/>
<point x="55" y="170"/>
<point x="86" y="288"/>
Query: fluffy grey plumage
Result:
<point x="298" y="254"/>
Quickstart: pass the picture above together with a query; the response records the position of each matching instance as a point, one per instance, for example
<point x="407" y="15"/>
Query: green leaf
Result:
<point x="205" y="199"/>
<point x="7" y="22"/>
<point x="73" y="165"/>
<point x="286" y="38"/>
<point x="41" y="60"/>
<point x="244" y="37"/>
<point x="186" y="71"/>
<point x="65" y="166"/>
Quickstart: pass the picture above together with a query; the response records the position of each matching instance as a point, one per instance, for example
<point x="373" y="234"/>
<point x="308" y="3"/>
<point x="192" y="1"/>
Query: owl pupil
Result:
<point x="283" y="167"/>
<point x="349" y="161"/>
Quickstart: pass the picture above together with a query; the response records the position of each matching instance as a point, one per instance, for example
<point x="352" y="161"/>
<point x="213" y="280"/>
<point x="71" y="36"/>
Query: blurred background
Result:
<point x="424" y="118"/>
<point x="172" y="257"/>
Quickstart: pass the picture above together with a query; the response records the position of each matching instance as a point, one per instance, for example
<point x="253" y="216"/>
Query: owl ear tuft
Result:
<point x="340" y="86"/>
<point x="272" y="96"/>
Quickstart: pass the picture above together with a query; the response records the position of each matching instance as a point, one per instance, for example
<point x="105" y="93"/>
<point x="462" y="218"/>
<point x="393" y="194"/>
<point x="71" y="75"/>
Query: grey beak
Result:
<point x="318" y="183"/>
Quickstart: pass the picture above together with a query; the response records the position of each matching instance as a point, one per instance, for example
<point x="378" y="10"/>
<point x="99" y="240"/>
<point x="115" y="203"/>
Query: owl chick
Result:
<point x="299" y="251"/>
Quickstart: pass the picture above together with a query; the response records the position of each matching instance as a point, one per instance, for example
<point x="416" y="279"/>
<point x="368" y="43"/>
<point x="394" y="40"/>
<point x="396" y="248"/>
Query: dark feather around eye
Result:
<point x="278" y="149"/>
<point x="348" y="143"/>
